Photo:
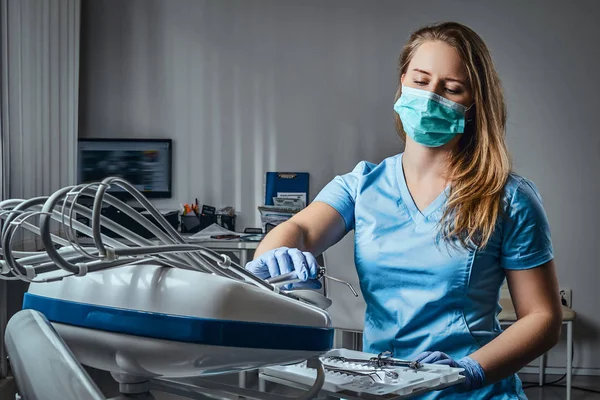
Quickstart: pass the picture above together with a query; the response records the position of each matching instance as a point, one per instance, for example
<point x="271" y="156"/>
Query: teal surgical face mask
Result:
<point x="428" y="118"/>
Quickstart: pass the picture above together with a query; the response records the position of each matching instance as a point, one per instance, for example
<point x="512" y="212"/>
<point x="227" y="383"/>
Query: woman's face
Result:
<point x="438" y="68"/>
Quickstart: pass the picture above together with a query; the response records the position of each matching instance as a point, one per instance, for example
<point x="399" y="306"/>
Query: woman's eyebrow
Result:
<point x="421" y="71"/>
<point x="448" y="78"/>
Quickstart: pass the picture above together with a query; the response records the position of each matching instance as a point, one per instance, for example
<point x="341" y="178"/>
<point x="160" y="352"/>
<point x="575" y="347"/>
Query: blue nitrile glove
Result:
<point x="283" y="260"/>
<point x="473" y="373"/>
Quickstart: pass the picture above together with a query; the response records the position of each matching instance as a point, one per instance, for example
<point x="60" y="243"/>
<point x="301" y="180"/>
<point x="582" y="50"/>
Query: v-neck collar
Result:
<point x="416" y="214"/>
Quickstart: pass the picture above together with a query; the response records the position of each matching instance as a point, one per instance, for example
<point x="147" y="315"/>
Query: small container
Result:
<point x="194" y="223"/>
<point x="226" y="221"/>
<point x="190" y="223"/>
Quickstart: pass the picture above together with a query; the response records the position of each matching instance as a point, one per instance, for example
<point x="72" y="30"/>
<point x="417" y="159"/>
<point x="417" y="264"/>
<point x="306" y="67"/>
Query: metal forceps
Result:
<point x="383" y="360"/>
<point x="291" y="277"/>
<point x="369" y="373"/>
<point x="386" y="359"/>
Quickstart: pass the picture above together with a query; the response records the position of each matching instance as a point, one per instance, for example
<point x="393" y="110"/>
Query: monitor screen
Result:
<point x="145" y="163"/>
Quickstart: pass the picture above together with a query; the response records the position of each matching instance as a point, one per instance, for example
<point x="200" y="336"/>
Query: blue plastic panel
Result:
<point x="183" y="329"/>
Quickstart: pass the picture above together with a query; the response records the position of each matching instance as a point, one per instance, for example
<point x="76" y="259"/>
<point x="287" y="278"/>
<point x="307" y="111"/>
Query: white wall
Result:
<point x="248" y="86"/>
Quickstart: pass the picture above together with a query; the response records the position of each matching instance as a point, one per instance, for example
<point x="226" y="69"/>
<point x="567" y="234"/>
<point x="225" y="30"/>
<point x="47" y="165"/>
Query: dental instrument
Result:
<point x="382" y="360"/>
<point x="292" y="277"/>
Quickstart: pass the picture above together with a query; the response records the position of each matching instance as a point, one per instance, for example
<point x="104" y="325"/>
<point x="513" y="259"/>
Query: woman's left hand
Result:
<point x="473" y="373"/>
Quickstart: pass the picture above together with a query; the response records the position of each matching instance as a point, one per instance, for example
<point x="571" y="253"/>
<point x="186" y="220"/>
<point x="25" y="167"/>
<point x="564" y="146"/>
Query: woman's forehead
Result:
<point x="439" y="59"/>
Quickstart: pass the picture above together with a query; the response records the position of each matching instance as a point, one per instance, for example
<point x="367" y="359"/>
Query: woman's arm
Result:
<point x="313" y="229"/>
<point x="535" y="295"/>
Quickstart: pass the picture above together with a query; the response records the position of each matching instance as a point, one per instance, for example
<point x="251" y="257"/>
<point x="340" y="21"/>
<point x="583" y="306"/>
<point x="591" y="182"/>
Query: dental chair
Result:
<point x="159" y="308"/>
<point x="156" y="313"/>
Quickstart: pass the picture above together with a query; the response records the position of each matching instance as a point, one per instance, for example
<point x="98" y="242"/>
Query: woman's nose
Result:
<point x="434" y="86"/>
<point x="437" y="87"/>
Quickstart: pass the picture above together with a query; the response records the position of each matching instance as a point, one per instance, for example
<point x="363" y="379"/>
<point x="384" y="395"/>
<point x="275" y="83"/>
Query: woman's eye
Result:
<point x="420" y="83"/>
<point x="453" y="91"/>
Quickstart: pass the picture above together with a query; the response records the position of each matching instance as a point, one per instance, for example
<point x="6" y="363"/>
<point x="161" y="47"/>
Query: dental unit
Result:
<point x="155" y="311"/>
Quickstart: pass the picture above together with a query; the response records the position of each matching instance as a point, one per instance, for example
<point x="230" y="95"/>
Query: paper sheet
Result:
<point x="213" y="230"/>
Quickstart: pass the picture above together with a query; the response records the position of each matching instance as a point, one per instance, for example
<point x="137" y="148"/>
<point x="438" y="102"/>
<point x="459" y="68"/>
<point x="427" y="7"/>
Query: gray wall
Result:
<point x="244" y="87"/>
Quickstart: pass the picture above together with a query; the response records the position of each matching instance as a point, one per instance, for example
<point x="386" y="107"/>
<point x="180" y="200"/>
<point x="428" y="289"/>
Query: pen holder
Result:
<point x="226" y="221"/>
<point x="190" y="224"/>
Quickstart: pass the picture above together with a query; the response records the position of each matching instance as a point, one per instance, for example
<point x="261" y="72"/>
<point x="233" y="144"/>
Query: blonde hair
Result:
<point x="480" y="167"/>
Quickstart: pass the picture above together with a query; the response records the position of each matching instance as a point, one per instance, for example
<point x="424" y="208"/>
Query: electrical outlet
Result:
<point x="566" y="296"/>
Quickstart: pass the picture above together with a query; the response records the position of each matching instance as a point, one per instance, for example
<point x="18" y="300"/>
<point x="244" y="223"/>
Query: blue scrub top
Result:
<point x="422" y="294"/>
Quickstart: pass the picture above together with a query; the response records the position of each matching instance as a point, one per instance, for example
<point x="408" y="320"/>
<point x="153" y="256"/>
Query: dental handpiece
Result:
<point x="292" y="277"/>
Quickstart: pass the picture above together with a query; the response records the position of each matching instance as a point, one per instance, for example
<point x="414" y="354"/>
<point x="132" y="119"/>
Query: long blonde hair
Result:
<point x="480" y="167"/>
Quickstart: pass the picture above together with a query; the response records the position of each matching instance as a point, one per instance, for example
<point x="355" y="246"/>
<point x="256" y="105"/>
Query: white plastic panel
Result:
<point x="187" y="293"/>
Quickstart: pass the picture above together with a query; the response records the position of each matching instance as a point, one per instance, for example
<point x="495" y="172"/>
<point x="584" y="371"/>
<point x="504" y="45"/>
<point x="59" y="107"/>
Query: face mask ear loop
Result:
<point x="470" y="110"/>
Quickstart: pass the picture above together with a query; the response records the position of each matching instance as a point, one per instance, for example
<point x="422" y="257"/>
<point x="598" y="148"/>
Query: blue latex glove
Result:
<point x="283" y="260"/>
<point x="473" y="373"/>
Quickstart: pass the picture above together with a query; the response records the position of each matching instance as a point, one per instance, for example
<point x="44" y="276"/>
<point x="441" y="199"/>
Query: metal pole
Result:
<point x="569" y="357"/>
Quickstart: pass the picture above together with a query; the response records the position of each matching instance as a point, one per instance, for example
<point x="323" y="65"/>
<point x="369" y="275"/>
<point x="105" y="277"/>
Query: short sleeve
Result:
<point x="340" y="193"/>
<point x="526" y="240"/>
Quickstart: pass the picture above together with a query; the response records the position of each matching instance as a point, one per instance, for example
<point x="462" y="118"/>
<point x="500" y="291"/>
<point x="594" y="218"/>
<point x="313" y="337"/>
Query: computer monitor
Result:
<point x="145" y="163"/>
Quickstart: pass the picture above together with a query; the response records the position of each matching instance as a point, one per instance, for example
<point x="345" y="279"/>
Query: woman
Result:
<point x="439" y="227"/>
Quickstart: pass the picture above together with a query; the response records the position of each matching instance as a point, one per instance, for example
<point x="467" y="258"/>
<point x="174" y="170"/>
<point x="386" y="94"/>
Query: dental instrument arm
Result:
<point x="95" y="215"/>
